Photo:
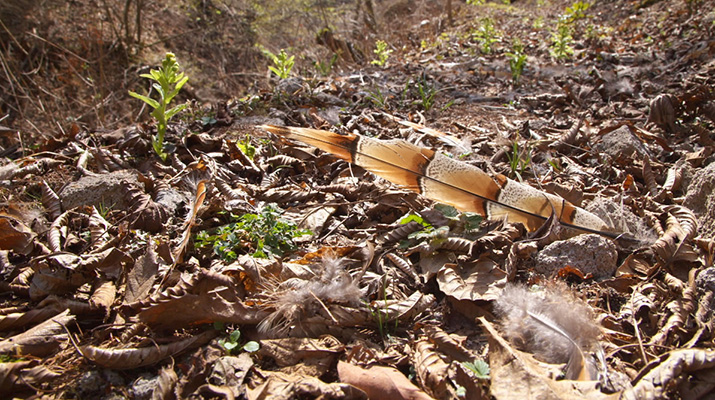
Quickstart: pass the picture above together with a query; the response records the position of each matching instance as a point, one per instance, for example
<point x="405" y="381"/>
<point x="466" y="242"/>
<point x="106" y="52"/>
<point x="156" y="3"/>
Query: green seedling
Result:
<point x="382" y="52"/>
<point x="377" y="98"/>
<point x="469" y="221"/>
<point x="519" y="160"/>
<point x="427" y="93"/>
<point x="248" y="149"/>
<point x="208" y="121"/>
<point x="479" y="367"/>
<point x="561" y="41"/>
<point x="476" y="2"/>
<point x="263" y="235"/>
<point x="517" y="60"/>
<point x="104" y="210"/>
<point x="232" y="343"/>
<point x="555" y="164"/>
<point x="416" y="218"/>
<point x="379" y="310"/>
<point x="324" y="68"/>
<point x="446" y="106"/>
<point x="282" y="63"/>
<point x="486" y="35"/>
<point x="167" y="81"/>
<point x="576" y="11"/>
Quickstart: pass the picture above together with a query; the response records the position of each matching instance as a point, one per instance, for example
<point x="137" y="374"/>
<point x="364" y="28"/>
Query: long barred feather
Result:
<point x="448" y="181"/>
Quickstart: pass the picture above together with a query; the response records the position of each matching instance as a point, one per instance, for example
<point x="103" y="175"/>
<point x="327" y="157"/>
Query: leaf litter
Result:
<point x="353" y="288"/>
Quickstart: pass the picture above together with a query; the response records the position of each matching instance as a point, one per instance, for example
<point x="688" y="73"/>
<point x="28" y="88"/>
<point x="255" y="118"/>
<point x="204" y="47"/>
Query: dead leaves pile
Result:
<point x="389" y="296"/>
<point x="366" y="299"/>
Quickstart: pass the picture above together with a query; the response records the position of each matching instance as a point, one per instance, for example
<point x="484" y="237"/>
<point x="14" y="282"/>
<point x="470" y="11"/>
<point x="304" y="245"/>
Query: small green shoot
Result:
<point x="265" y="234"/>
<point x="427" y="93"/>
<point x="486" y="35"/>
<point x="208" y="121"/>
<point x="246" y="147"/>
<point x="324" y="68"/>
<point x="446" y="106"/>
<point x="282" y="64"/>
<point x="555" y="164"/>
<point x="168" y="81"/>
<point x="6" y="358"/>
<point x="232" y="343"/>
<point x="517" y="60"/>
<point x="379" y="312"/>
<point x="468" y="220"/>
<point x="416" y="218"/>
<point x="104" y="210"/>
<point x="377" y="98"/>
<point x="479" y="367"/>
<point x="476" y="2"/>
<point x="382" y="52"/>
<point x="561" y="41"/>
<point x="519" y="160"/>
<point x="576" y="11"/>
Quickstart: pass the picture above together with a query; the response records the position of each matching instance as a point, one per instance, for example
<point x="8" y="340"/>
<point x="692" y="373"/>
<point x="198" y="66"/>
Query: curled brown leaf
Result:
<point x="129" y="358"/>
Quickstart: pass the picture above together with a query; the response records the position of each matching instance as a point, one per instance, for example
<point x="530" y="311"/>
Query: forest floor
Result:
<point x="244" y="265"/>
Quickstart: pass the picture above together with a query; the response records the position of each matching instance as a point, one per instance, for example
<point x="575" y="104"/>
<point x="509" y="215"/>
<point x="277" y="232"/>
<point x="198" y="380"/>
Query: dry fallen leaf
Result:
<point x="480" y="280"/>
<point x="380" y="383"/>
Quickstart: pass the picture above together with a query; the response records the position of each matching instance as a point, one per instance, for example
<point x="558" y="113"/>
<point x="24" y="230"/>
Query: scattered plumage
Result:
<point x="295" y="299"/>
<point x="448" y="181"/>
<point x="553" y="325"/>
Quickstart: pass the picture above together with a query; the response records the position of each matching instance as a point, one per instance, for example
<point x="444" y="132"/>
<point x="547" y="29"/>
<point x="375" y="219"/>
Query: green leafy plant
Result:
<point x="468" y="221"/>
<point x="486" y="35"/>
<point x="428" y="231"/>
<point x="561" y="40"/>
<point x="282" y="63"/>
<point x="246" y="147"/>
<point x="167" y="81"/>
<point x="517" y="60"/>
<point x="519" y="160"/>
<point x="382" y="52"/>
<point x="576" y="11"/>
<point x="232" y="342"/>
<point x="479" y="367"/>
<point x="263" y="234"/>
<point x="416" y="218"/>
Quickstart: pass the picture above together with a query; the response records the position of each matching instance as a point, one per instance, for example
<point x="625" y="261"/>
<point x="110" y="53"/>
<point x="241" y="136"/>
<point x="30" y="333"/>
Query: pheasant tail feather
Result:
<point x="446" y="180"/>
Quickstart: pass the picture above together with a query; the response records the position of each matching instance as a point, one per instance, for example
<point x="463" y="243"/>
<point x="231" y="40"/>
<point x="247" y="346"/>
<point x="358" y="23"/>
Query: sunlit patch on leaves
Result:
<point x="262" y="235"/>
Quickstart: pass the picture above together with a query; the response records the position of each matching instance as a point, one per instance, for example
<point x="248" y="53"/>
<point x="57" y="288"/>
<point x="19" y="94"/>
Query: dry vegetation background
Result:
<point x="247" y="266"/>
